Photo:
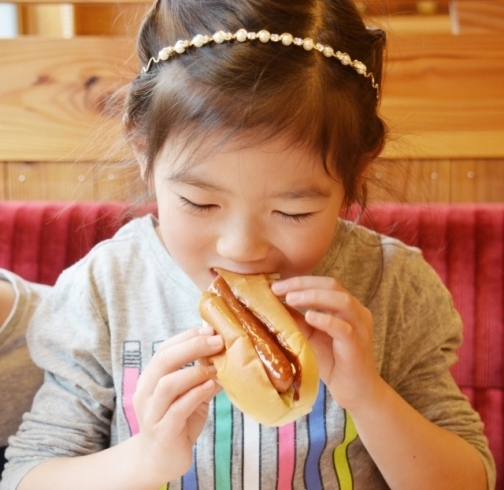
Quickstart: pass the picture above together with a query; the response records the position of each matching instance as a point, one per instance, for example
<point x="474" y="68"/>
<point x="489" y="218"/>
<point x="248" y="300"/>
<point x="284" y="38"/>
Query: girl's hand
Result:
<point x="340" y="329"/>
<point x="171" y="404"/>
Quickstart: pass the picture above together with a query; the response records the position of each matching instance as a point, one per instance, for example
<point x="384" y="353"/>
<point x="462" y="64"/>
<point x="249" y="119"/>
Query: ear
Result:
<point x="140" y="152"/>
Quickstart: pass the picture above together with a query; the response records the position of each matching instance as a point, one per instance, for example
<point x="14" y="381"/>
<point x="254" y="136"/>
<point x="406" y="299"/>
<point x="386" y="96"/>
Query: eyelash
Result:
<point x="196" y="207"/>
<point x="297" y="218"/>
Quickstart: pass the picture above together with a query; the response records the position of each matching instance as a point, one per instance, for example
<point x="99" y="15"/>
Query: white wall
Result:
<point x="8" y="20"/>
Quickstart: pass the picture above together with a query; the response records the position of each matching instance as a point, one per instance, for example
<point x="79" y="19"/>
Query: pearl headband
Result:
<point x="264" y="36"/>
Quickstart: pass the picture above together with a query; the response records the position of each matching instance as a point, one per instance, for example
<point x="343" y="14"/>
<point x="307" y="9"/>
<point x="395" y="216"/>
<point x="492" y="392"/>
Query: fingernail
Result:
<point x="293" y="296"/>
<point x="206" y="330"/>
<point x="208" y="385"/>
<point x="215" y="340"/>
<point x="277" y="287"/>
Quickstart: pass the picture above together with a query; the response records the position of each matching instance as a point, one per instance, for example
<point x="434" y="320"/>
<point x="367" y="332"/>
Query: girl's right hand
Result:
<point x="171" y="404"/>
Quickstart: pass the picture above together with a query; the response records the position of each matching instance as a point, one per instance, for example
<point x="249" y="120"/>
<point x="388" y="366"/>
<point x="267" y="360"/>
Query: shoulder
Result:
<point x="395" y="281"/>
<point x="18" y="302"/>
<point x="363" y="260"/>
<point x="117" y="256"/>
<point x="127" y="267"/>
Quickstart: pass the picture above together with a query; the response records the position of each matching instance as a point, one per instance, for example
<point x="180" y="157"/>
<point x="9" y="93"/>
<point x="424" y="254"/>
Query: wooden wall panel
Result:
<point x="108" y="19"/>
<point x="437" y="181"/>
<point x="3" y="181"/>
<point x="50" y="181"/>
<point x="42" y="20"/>
<point x="444" y="96"/>
<point x="409" y="181"/>
<point x="478" y="16"/>
<point x="118" y="183"/>
<point x="433" y="96"/>
<point x="52" y="103"/>
<point x="477" y="181"/>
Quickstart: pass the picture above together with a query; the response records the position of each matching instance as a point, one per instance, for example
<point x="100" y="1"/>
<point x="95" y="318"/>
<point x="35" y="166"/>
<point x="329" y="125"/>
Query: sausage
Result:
<point x="276" y="363"/>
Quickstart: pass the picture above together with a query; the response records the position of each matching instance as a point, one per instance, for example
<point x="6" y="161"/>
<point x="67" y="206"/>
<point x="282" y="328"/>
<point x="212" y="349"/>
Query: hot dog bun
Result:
<point x="239" y="368"/>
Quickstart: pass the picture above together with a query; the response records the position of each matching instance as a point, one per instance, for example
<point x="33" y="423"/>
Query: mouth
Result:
<point x="271" y="275"/>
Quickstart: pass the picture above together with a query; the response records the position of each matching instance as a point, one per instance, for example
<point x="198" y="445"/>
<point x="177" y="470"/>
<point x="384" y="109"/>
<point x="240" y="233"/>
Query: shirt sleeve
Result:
<point x="71" y="414"/>
<point x="421" y="347"/>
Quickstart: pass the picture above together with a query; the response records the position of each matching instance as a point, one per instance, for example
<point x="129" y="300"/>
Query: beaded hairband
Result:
<point x="264" y="36"/>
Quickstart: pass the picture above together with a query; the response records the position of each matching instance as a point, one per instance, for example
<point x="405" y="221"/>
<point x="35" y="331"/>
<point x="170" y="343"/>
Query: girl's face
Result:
<point x="250" y="209"/>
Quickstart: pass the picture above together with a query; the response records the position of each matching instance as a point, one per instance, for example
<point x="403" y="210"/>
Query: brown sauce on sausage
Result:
<point x="281" y="364"/>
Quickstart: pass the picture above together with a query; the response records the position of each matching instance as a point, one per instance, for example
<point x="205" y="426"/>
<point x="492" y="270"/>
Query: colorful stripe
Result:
<point x="251" y="454"/>
<point x="340" y="456"/>
<point x="223" y="441"/>
<point x="131" y="373"/>
<point x="286" y="456"/>
<point x="190" y="480"/>
<point x="317" y="441"/>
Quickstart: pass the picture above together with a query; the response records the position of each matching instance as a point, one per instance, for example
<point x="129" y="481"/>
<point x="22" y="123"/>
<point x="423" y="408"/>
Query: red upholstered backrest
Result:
<point x="464" y="243"/>
<point x="39" y="240"/>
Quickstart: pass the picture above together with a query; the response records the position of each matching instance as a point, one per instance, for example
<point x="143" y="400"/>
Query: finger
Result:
<point x="173" y="357"/>
<point x="340" y="304"/>
<point x="176" y="385"/>
<point x="185" y="335"/>
<point x="337" y="329"/>
<point x="282" y="287"/>
<point x="196" y="399"/>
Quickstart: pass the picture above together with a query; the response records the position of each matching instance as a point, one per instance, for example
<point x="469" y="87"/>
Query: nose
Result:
<point x="243" y="242"/>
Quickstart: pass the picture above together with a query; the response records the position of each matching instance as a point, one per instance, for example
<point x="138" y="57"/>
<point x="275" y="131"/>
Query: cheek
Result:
<point x="178" y="236"/>
<point x="305" y="251"/>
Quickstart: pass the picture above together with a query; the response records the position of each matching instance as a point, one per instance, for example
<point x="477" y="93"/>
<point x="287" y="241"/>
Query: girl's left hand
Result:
<point x="340" y="330"/>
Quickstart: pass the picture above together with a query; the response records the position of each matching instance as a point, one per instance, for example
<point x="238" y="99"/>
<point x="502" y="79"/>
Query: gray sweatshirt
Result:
<point x="101" y="325"/>
<point x="19" y="377"/>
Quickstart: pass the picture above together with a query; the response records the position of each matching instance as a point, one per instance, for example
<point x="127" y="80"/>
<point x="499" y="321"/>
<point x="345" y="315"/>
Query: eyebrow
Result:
<point x="309" y="192"/>
<point x="184" y="177"/>
<point x="302" y="192"/>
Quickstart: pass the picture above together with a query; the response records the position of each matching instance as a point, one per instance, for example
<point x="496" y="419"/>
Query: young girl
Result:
<point x="254" y="122"/>
<point x="19" y="377"/>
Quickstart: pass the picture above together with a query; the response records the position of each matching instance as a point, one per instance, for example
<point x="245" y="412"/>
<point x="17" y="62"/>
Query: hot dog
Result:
<point x="267" y="367"/>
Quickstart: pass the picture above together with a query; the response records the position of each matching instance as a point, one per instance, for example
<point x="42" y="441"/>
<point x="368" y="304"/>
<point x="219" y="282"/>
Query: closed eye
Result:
<point x="196" y="207"/>
<point x="297" y="218"/>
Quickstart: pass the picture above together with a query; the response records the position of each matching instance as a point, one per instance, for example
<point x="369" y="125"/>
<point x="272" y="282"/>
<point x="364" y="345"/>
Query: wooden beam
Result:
<point x="478" y="17"/>
<point x="53" y="95"/>
<point x="443" y="96"/>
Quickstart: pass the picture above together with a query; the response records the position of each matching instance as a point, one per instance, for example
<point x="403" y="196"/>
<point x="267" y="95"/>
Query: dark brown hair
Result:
<point x="264" y="89"/>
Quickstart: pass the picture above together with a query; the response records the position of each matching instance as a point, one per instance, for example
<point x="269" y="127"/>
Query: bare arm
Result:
<point x="410" y="451"/>
<point x="416" y="454"/>
<point x="171" y="405"/>
<point x="121" y="466"/>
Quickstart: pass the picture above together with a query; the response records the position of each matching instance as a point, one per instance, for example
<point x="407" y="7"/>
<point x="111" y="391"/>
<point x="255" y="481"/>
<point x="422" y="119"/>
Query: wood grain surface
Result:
<point x="443" y="99"/>
<point x="443" y="96"/>
<point x="54" y="94"/>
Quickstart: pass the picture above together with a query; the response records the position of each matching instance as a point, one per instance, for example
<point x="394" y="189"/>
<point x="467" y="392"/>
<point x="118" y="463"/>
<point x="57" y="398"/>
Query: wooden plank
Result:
<point x="42" y="20"/>
<point x="381" y="6"/>
<point x="444" y="96"/>
<point x="477" y="181"/>
<point x="409" y="181"/>
<point x="118" y="182"/>
<point x="49" y="181"/>
<point x="412" y="25"/>
<point x="107" y="19"/>
<point x="110" y="2"/>
<point x="478" y="17"/>
<point x="3" y="181"/>
<point x="53" y="94"/>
